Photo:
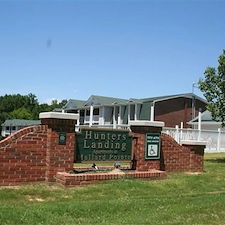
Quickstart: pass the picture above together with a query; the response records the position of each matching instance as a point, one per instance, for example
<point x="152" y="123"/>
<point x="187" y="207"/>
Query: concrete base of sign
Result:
<point x="193" y="142"/>
<point x="57" y="115"/>
<point x="146" y="123"/>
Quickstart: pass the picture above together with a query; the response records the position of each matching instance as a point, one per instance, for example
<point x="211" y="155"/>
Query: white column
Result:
<point x="103" y="116"/>
<point x="85" y="116"/>
<point x="218" y="140"/>
<point x="152" y="112"/>
<point x="114" y="117"/>
<point x="91" y="116"/>
<point x="177" y="134"/>
<point x="135" y="111"/>
<point x="119" y="116"/>
<point x="199" y="125"/>
<point x="128" y="116"/>
<point x="181" y="130"/>
<point x="78" y="121"/>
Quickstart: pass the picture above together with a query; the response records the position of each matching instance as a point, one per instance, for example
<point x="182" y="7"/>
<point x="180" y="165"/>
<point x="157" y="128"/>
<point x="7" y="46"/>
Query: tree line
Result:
<point x="17" y="106"/>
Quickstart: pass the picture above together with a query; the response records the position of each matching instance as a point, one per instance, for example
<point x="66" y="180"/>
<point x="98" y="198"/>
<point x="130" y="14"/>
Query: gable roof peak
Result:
<point x="104" y="100"/>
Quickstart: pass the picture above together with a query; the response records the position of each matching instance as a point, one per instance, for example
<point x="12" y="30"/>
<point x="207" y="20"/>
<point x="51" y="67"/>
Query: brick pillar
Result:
<point x="60" y="152"/>
<point x="140" y="129"/>
<point x="196" y="154"/>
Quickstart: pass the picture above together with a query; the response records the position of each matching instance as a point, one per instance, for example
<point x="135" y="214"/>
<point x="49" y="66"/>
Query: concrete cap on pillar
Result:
<point x="193" y="142"/>
<point x="57" y="115"/>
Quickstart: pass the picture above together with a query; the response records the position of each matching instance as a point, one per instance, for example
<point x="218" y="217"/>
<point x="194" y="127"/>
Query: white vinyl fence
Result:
<point x="215" y="139"/>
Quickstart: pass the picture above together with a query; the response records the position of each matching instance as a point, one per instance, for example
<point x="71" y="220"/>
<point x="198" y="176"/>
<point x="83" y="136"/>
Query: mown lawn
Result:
<point x="181" y="199"/>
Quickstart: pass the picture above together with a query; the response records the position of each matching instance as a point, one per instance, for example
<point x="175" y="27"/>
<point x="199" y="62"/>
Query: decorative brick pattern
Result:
<point x="23" y="156"/>
<point x="34" y="154"/>
<point x="177" y="158"/>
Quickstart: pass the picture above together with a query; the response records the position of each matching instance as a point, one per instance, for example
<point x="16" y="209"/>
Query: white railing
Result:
<point x="95" y="119"/>
<point x="215" y="139"/>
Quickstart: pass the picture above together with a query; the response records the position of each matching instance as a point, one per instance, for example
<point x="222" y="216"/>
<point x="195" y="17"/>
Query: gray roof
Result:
<point x="74" y="103"/>
<point x="103" y="100"/>
<point x="21" y="122"/>
<point x="206" y="117"/>
<point x="97" y="100"/>
<point x="108" y="101"/>
<point x="165" y="97"/>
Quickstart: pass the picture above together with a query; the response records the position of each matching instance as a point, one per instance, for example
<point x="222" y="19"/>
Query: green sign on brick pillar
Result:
<point x="103" y="145"/>
<point x="153" y="146"/>
<point x="62" y="138"/>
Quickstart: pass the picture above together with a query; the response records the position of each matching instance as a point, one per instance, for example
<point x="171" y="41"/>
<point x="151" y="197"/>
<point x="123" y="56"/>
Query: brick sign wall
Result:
<point x="38" y="153"/>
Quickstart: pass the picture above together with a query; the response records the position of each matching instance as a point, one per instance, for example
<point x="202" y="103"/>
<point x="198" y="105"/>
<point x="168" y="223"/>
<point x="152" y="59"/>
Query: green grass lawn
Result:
<point x="180" y="199"/>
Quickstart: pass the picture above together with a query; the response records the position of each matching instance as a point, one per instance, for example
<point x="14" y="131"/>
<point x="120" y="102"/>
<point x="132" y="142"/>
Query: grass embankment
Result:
<point x="180" y="199"/>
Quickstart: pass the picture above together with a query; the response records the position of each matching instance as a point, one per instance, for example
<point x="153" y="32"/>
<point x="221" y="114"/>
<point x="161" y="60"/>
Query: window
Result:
<point x="81" y="112"/>
<point x="88" y="112"/>
<point x="96" y="112"/>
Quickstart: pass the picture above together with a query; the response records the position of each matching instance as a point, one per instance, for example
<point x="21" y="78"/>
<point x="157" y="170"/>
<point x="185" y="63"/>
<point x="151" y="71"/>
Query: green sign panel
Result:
<point x="153" y="146"/>
<point x="62" y="138"/>
<point x="103" y="145"/>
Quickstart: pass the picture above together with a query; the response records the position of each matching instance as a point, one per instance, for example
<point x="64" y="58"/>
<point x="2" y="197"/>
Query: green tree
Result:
<point x="213" y="88"/>
<point x="40" y="108"/>
<point x="21" y="113"/>
<point x="10" y="102"/>
<point x="18" y="106"/>
<point x="57" y="104"/>
<point x="31" y="100"/>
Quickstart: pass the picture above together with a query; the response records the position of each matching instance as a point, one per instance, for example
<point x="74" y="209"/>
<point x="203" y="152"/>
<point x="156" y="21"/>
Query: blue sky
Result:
<point x="70" y="49"/>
